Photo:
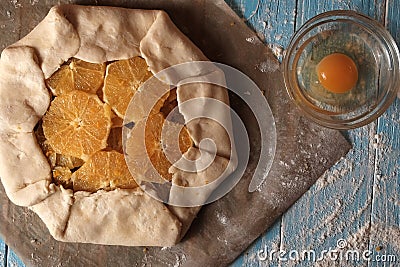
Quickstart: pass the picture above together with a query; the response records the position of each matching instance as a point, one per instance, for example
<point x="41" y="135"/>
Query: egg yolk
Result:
<point x="337" y="73"/>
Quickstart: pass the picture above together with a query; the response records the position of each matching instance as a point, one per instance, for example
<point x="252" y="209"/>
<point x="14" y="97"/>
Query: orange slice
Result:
<point x="123" y="79"/>
<point x="77" y="124"/>
<point x="77" y="75"/>
<point x="54" y="158"/>
<point x="104" y="170"/>
<point x="154" y="150"/>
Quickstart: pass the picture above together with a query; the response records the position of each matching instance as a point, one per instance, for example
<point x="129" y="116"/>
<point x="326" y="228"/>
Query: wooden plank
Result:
<point x="274" y="23"/>
<point x="338" y="206"/>
<point x="309" y="8"/>
<point x="385" y="220"/>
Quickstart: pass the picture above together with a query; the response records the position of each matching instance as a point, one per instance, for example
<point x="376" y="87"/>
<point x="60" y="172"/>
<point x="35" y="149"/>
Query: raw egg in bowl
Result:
<point x="341" y="69"/>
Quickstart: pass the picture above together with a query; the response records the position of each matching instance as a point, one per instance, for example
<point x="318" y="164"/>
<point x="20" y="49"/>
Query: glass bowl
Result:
<point x="372" y="49"/>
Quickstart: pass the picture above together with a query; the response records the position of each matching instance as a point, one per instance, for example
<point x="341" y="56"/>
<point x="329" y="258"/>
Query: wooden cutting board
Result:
<point x="226" y="227"/>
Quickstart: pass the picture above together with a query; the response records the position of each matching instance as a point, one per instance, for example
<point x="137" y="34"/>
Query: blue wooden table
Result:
<point x="355" y="206"/>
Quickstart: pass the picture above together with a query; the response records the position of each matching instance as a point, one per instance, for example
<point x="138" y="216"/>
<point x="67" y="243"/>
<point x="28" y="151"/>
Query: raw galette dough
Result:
<point x="97" y="34"/>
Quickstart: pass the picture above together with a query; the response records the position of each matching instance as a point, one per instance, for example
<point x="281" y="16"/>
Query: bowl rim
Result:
<point x="382" y="103"/>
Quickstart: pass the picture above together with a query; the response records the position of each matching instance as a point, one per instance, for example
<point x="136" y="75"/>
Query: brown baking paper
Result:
<point x="211" y="241"/>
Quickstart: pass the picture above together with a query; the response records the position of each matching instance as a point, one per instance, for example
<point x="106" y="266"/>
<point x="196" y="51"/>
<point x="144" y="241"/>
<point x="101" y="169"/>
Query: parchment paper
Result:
<point x="224" y="228"/>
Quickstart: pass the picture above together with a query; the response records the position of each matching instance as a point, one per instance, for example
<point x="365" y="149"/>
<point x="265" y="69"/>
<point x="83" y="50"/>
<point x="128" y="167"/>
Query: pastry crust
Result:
<point x="25" y="172"/>
<point x="96" y="34"/>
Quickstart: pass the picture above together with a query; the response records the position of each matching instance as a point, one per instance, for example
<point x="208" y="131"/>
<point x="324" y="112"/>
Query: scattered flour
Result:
<point x="168" y="256"/>
<point x="278" y="37"/>
<point x="277" y="50"/>
<point x="16" y="4"/>
<point x="358" y="241"/>
<point x="268" y="66"/>
<point x="179" y="260"/>
<point x="252" y="39"/>
<point x="222" y="240"/>
<point x="386" y="235"/>
<point x="377" y="142"/>
<point x="333" y="216"/>
<point x="264" y="24"/>
<point x="330" y="176"/>
<point x="395" y="201"/>
<point x="222" y="218"/>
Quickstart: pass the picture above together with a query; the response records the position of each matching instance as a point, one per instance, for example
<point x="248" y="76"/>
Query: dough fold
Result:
<point x="23" y="94"/>
<point x="24" y="172"/>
